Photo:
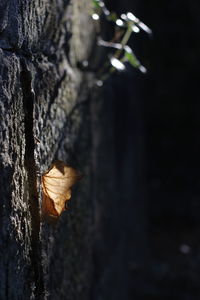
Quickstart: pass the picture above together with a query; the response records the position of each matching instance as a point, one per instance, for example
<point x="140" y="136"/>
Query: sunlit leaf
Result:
<point x="56" y="188"/>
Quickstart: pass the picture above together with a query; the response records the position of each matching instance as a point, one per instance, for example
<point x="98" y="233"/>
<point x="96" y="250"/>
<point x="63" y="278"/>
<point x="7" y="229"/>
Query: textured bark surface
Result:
<point x="44" y="116"/>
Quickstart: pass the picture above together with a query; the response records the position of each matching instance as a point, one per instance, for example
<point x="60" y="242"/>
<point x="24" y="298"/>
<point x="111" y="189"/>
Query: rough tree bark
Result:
<point x="44" y="116"/>
<point x="48" y="112"/>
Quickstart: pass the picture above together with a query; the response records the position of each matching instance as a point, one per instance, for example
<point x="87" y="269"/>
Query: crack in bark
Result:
<point x="30" y="166"/>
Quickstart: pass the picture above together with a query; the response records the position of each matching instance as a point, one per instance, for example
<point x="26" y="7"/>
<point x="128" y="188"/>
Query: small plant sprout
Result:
<point x="99" y="7"/>
<point x="125" y="25"/>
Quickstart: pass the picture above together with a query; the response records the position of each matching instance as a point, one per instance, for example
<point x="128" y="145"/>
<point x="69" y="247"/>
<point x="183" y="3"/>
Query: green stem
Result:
<point x="123" y="43"/>
<point x="118" y="52"/>
<point x="124" y="40"/>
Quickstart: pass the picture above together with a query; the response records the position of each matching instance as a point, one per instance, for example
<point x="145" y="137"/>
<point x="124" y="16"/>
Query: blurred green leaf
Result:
<point x="112" y="16"/>
<point x="96" y="4"/>
<point x="132" y="59"/>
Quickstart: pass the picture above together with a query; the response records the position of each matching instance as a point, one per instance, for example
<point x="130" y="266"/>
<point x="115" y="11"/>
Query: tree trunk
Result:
<point x="44" y="116"/>
<point x="49" y="112"/>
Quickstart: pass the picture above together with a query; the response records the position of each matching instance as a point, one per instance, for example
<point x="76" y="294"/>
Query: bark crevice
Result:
<point x="30" y="166"/>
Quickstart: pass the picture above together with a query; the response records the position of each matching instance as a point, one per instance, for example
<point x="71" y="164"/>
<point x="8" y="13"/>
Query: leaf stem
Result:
<point x="124" y="40"/>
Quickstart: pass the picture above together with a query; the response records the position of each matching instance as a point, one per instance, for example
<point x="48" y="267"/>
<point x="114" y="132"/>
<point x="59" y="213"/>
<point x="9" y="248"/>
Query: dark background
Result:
<point x="157" y="140"/>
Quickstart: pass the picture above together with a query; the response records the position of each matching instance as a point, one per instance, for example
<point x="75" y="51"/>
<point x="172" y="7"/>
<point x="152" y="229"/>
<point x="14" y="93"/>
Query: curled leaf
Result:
<point x="56" y="188"/>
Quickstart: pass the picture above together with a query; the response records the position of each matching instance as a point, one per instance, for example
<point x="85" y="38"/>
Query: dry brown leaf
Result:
<point x="56" y="188"/>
